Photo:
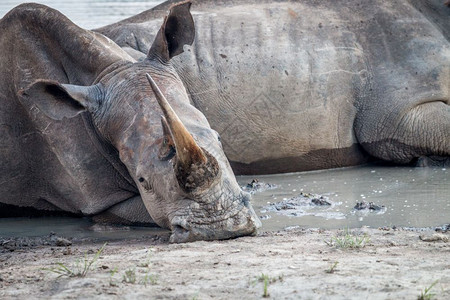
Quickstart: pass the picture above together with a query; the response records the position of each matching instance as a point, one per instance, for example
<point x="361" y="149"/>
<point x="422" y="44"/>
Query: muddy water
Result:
<point x="415" y="197"/>
<point x="412" y="197"/>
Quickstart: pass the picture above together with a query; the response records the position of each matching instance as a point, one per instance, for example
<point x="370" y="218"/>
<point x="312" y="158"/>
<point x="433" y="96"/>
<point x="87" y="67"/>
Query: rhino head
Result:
<point x="168" y="147"/>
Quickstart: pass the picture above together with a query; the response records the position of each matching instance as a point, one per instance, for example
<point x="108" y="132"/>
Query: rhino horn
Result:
<point x="187" y="150"/>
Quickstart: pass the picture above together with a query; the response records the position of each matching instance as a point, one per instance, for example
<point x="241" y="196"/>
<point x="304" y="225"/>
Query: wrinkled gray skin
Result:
<point x="302" y="85"/>
<point x="80" y="130"/>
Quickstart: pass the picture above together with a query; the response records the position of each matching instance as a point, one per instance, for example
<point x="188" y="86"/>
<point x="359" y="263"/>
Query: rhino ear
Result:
<point x="176" y="31"/>
<point x="60" y="101"/>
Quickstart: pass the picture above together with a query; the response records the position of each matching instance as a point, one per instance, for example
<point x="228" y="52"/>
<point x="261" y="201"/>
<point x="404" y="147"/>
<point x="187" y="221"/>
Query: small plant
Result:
<point x="195" y="297"/>
<point x="349" y="240"/>
<point x="266" y="280"/>
<point x="129" y="276"/>
<point x="153" y="279"/>
<point x="426" y="294"/>
<point x="146" y="263"/>
<point x="113" y="272"/>
<point x="78" y="269"/>
<point x="134" y="277"/>
<point x="148" y="278"/>
<point x="332" y="268"/>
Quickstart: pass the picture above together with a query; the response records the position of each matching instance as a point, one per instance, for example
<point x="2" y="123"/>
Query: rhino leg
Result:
<point x="129" y="212"/>
<point x="420" y="134"/>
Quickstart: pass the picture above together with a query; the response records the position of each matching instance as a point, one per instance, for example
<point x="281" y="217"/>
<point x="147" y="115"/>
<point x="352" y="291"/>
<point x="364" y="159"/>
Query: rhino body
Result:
<point x="81" y="131"/>
<point x="304" y="85"/>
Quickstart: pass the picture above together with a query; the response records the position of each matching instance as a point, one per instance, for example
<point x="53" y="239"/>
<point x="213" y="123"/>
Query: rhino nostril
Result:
<point x="179" y="234"/>
<point x="179" y="229"/>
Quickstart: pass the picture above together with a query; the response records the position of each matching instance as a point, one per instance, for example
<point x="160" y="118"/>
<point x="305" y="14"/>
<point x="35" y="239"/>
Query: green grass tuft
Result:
<point x="129" y="276"/>
<point x="426" y="294"/>
<point x="266" y="280"/>
<point x="332" y="268"/>
<point x="348" y="240"/>
<point x="79" y="269"/>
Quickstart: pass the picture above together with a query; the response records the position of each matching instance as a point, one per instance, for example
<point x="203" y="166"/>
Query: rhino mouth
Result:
<point x="181" y="234"/>
<point x="240" y="221"/>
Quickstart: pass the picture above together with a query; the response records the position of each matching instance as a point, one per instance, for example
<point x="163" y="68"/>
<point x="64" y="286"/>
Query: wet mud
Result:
<point x="256" y="186"/>
<point x="299" y="205"/>
<point x="369" y="206"/>
<point x="20" y="243"/>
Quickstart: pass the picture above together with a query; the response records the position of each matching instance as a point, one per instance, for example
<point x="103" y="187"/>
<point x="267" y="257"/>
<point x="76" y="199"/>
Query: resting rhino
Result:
<point x="81" y="131"/>
<point x="303" y="85"/>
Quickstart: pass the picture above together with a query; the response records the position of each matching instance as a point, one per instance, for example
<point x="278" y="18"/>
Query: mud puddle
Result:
<point x="22" y="233"/>
<point x="371" y="195"/>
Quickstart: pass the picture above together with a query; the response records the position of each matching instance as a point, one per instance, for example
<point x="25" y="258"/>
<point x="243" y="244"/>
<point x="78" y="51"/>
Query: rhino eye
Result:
<point x="219" y="138"/>
<point x="146" y="185"/>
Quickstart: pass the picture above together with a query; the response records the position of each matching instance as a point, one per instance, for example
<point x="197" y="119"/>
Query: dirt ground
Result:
<point x="291" y="264"/>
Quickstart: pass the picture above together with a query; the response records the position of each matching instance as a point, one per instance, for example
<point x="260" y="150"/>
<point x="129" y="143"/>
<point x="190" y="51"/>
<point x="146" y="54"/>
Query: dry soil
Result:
<point x="292" y="264"/>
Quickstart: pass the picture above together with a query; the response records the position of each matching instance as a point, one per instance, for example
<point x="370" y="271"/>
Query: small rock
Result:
<point x="370" y="206"/>
<point x="320" y="201"/>
<point x="392" y="244"/>
<point x="290" y="228"/>
<point x="265" y="217"/>
<point x="435" y="237"/>
<point x="62" y="242"/>
<point x="256" y="186"/>
<point x="443" y="229"/>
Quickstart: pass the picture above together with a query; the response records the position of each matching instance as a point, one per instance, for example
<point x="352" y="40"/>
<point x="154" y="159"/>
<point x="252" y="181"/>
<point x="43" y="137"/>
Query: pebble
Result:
<point x="62" y="242"/>
<point x="435" y="237"/>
